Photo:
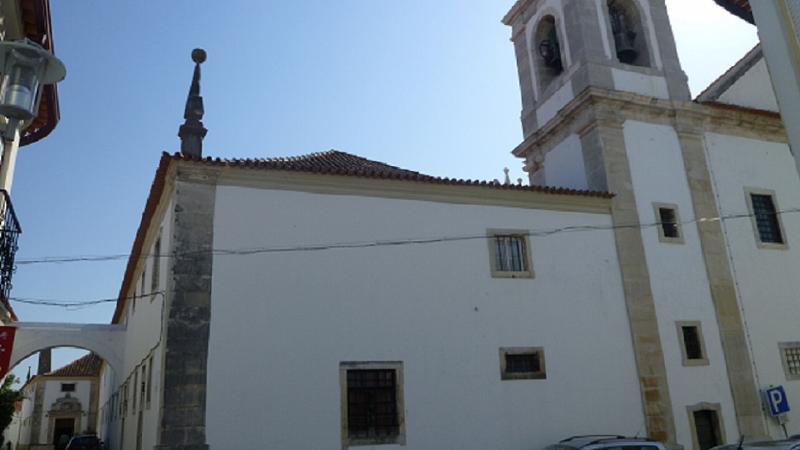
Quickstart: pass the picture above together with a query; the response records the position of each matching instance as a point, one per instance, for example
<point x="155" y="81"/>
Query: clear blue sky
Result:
<point x="426" y="85"/>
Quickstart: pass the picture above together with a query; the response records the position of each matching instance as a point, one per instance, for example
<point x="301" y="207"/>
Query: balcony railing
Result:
<point x="9" y="232"/>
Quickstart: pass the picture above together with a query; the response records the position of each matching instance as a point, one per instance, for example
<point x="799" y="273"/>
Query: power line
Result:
<point x="77" y="304"/>
<point x="370" y="244"/>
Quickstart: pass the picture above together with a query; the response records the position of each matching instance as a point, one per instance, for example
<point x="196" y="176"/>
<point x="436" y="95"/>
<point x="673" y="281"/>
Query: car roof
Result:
<point x="576" y="442"/>
<point x="792" y="442"/>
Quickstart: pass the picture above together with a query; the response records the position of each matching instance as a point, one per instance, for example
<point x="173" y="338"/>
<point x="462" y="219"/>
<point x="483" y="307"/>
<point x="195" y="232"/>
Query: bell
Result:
<point x="624" y="43"/>
<point x="550" y="51"/>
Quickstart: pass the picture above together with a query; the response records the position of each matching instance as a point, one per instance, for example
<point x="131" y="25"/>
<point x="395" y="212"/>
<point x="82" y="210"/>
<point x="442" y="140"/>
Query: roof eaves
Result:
<point x="724" y="82"/>
<point x="739" y="8"/>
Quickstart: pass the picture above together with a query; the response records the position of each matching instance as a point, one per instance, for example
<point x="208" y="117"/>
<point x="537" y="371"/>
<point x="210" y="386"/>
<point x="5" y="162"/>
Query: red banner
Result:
<point x="6" y="345"/>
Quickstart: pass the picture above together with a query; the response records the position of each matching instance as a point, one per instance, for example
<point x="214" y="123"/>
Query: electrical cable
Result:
<point x="368" y="244"/>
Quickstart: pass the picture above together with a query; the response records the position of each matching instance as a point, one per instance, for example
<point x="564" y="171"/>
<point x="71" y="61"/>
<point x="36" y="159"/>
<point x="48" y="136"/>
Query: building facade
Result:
<point x="58" y="405"/>
<point x="339" y="302"/>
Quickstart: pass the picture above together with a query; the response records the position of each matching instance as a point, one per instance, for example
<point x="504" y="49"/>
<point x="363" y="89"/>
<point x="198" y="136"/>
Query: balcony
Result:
<point x="9" y="232"/>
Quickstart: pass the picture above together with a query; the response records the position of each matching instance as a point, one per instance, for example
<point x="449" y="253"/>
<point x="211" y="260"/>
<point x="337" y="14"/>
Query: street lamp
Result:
<point x="26" y="67"/>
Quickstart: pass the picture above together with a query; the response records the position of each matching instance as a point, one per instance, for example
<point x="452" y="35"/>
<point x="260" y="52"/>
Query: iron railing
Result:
<point x="9" y="233"/>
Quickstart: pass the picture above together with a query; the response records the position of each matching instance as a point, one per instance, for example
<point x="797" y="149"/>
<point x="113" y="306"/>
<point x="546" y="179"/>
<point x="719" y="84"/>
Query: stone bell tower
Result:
<point x="564" y="47"/>
<point x="606" y="106"/>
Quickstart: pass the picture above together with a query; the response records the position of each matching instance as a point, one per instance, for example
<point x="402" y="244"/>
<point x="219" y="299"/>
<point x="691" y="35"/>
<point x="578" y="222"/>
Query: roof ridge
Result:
<point x="728" y="78"/>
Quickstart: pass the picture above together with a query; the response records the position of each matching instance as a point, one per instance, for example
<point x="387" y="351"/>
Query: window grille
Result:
<point x="149" y="381"/>
<point x="791" y="356"/>
<point x="691" y="342"/>
<point x="766" y="217"/>
<point x="669" y="223"/>
<point x="133" y="388"/>
<point x="509" y="255"/>
<point x="523" y="363"/>
<point x="372" y="403"/>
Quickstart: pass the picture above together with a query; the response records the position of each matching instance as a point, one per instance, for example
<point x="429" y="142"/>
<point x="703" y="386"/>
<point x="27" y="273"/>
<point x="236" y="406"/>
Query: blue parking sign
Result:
<point x="776" y="400"/>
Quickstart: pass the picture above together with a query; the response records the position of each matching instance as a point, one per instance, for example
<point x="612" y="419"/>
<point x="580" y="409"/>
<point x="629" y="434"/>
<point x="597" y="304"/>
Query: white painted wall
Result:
<point x="640" y="83"/>
<point x="52" y="392"/>
<point x="563" y="165"/>
<point x="767" y="279"/>
<point x="753" y="89"/>
<point x="553" y="105"/>
<point x="282" y="323"/>
<point x="143" y="344"/>
<point x="25" y="414"/>
<point x="677" y="275"/>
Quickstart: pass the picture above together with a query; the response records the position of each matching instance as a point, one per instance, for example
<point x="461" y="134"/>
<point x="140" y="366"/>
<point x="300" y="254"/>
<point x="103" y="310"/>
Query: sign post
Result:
<point x="778" y="405"/>
<point x="6" y="345"/>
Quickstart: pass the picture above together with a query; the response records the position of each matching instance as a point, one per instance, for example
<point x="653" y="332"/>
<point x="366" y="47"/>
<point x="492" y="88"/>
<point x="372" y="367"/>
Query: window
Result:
<point x="522" y="363"/>
<point x="707" y="428"/>
<point x="693" y="348"/>
<point x="133" y="388"/>
<point x="143" y="386"/>
<point x="149" y="381"/>
<point x="509" y="254"/>
<point x="548" y="61"/>
<point x="156" y="273"/>
<point x="372" y="403"/>
<point x="67" y="387"/>
<point x="790" y="355"/>
<point x="669" y="223"/>
<point x="766" y="218"/>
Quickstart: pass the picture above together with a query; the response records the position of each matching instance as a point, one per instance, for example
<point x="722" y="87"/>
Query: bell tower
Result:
<point x="564" y="47"/>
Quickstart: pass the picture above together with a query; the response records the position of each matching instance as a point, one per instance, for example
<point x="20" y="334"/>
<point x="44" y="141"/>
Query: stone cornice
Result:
<point x="615" y="107"/>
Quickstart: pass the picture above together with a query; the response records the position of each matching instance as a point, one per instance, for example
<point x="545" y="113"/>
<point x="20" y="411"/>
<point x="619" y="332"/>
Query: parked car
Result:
<point x="792" y="443"/>
<point x="606" y="442"/>
<point x="85" y="442"/>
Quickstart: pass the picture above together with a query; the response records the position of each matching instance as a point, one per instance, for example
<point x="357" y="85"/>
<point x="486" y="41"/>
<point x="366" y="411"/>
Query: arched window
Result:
<point x="549" y="62"/>
<point x="627" y="26"/>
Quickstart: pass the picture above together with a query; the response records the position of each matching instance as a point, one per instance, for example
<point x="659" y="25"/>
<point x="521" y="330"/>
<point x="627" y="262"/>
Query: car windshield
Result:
<point x="84" y="440"/>
<point x="632" y="447"/>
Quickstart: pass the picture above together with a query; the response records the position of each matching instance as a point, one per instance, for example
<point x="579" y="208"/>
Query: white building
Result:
<point x="328" y="301"/>
<point x="58" y="405"/>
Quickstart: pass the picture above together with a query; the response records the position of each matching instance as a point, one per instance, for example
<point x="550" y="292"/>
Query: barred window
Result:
<point x="522" y="363"/>
<point x="669" y="223"/>
<point x="156" y="272"/>
<point x="67" y="387"/>
<point x="509" y="254"/>
<point x="373" y="406"/>
<point x="766" y="219"/>
<point x="790" y="353"/>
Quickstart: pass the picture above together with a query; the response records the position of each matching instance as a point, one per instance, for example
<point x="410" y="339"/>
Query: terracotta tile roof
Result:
<point x="331" y="162"/>
<point x="334" y="162"/>
<point x="740" y="8"/>
<point x="87" y="366"/>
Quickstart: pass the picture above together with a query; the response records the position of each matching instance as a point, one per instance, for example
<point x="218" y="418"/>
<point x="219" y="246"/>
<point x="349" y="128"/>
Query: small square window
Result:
<point x="766" y="218"/>
<point x="693" y="348"/>
<point x="510" y="256"/>
<point x="790" y="355"/>
<point x="668" y="222"/>
<point x="372" y="403"/>
<point x="522" y="363"/>
<point x="67" y="387"/>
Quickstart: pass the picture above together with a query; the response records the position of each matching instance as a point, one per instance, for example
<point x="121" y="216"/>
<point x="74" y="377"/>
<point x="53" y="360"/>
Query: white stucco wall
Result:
<point x="282" y="323"/>
<point x="640" y="83"/>
<point x="767" y="279"/>
<point x="753" y="89"/>
<point x="563" y="165"/>
<point x="52" y="392"/>
<point x="25" y="414"/>
<point x="143" y="344"/>
<point x="678" y="276"/>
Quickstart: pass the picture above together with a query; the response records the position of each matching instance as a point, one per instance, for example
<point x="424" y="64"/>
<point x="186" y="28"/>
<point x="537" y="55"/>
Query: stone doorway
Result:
<point x="63" y="429"/>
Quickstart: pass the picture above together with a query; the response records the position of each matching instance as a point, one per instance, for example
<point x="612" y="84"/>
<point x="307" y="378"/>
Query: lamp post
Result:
<point x="25" y="68"/>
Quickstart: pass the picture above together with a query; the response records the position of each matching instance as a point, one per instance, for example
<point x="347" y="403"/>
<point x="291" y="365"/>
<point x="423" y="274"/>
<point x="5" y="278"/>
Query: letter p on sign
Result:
<point x="777" y="401"/>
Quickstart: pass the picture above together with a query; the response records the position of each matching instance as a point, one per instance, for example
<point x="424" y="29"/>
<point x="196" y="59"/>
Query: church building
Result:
<point x="643" y="282"/>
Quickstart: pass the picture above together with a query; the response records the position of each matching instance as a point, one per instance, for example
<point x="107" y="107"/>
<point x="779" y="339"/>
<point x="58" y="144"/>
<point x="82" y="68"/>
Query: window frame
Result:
<point x="679" y="325"/>
<point x="74" y="387"/>
<point x="541" y="374"/>
<point x="705" y="406"/>
<point x="492" y="234"/>
<point x="657" y="207"/>
<point x="397" y="366"/>
<point x="749" y="192"/>
<point x="783" y="346"/>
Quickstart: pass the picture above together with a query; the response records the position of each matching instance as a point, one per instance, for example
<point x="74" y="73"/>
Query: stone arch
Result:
<point x="547" y="52"/>
<point x="629" y="33"/>
<point x="104" y="340"/>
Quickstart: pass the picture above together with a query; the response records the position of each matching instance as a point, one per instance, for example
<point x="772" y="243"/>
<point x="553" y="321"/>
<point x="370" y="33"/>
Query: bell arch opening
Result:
<point x="629" y="33"/>
<point x="548" y="58"/>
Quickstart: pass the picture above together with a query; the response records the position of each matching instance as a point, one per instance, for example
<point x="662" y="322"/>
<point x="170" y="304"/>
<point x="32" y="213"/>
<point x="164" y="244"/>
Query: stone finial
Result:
<point x="192" y="131"/>
<point x="507" y="180"/>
